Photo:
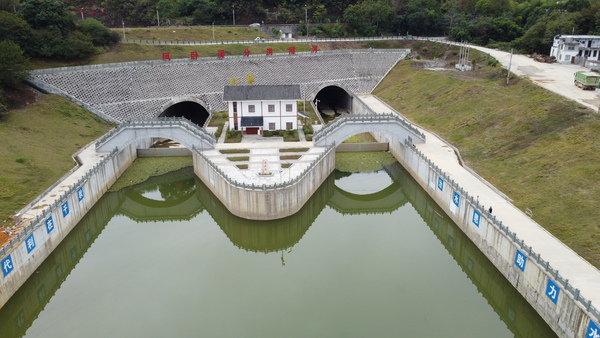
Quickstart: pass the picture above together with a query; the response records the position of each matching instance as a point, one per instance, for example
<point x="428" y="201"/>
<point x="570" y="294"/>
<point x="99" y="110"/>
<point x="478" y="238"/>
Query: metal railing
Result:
<point x="179" y="122"/>
<point x="294" y="40"/>
<point x="40" y="219"/>
<point x="564" y="282"/>
<point x="274" y="186"/>
<point x="364" y="118"/>
<point x="209" y="59"/>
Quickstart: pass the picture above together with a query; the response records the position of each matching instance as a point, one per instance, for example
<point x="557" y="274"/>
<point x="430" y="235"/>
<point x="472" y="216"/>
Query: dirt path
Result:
<point x="555" y="77"/>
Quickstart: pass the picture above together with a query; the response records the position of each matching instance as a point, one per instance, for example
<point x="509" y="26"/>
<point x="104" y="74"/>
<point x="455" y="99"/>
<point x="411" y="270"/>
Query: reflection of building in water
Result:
<point x="266" y="236"/>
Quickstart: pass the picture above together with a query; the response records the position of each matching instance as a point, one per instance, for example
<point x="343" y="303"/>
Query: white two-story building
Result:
<point x="576" y="49"/>
<point x="255" y="108"/>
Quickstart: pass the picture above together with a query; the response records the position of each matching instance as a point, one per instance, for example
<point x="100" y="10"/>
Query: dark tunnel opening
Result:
<point x="333" y="100"/>
<point x="190" y="110"/>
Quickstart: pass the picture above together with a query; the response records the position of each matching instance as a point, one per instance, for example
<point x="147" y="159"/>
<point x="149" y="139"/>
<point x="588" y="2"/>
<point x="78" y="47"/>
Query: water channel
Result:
<point x="370" y="255"/>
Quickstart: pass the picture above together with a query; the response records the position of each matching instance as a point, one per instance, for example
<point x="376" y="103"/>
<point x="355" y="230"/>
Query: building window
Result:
<point x="595" y="53"/>
<point x="566" y="57"/>
<point x="251" y="108"/>
<point x="235" y="107"/>
<point x="571" y="48"/>
<point x="289" y="125"/>
<point x="271" y="108"/>
<point x="271" y="125"/>
<point x="288" y="107"/>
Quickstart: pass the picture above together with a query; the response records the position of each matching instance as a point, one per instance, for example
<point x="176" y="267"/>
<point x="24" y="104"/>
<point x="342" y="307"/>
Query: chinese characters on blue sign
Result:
<point x="440" y="184"/>
<point x="49" y="224"/>
<point x="476" y="217"/>
<point x="80" y="193"/>
<point x="7" y="265"/>
<point x="593" y="331"/>
<point x="520" y="260"/>
<point x="552" y="291"/>
<point x="456" y="199"/>
<point x="30" y="243"/>
<point x="65" y="209"/>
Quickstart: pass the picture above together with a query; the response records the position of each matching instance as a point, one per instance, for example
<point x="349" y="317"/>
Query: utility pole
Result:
<point x="123" y="21"/>
<point x="233" y="10"/>
<point x="306" y="19"/>
<point x="509" y="64"/>
<point x="157" y="18"/>
<point x="213" y="30"/>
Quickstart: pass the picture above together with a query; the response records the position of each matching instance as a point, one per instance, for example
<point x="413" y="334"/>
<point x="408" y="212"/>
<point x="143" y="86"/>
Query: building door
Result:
<point x="251" y="131"/>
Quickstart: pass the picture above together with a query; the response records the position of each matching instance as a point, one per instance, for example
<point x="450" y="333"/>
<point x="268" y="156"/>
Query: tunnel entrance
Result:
<point x="332" y="101"/>
<point x="192" y="111"/>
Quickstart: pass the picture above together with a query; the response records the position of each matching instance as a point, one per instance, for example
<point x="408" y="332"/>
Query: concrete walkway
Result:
<point x="581" y="274"/>
<point x="555" y="77"/>
<point x="88" y="158"/>
<point x="269" y="149"/>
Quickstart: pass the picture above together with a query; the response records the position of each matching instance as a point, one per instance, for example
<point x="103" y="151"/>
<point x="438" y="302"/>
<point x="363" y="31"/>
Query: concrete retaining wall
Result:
<point x="568" y="317"/>
<point x="264" y="202"/>
<point x="26" y="252"/>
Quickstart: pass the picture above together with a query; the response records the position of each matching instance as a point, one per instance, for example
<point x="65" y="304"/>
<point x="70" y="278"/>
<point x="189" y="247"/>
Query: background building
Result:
<point x="576" y="49"/>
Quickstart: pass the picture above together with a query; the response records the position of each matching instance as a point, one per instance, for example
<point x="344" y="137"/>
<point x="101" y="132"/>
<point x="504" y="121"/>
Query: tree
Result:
<point x="47" y="14"/>
<point x="100" y="35"/>
<point x="14" y="65"/>
<point x="14" y="29"/>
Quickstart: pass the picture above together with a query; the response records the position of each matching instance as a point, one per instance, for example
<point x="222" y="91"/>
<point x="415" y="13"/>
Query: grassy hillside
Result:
<point x="538" y="148"/>
<point x="38" y="142"/>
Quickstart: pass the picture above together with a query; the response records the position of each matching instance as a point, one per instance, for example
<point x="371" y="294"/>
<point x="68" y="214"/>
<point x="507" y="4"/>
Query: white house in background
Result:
<point x="255" y="108"/>
<point x="576" y="48"/>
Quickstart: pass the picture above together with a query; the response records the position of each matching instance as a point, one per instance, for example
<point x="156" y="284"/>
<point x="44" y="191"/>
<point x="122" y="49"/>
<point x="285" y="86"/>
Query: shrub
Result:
<point x="308" y="129"/>
<point x="100" y="35"/>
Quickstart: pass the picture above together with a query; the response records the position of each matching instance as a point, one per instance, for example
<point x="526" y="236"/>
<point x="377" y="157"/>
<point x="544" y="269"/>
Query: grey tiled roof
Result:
<point x="262" y="92"/>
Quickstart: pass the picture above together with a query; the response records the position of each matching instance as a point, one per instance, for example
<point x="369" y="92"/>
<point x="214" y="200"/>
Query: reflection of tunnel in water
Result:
<point x="192" y="111"/>
<point x="24" y="307"/>
<point x="386" y="200"/>
<point x="333" y="100"/>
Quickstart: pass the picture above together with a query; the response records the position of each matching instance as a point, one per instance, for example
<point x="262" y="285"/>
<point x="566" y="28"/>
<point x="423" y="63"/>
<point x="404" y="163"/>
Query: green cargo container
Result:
<point x="587" y="80"/>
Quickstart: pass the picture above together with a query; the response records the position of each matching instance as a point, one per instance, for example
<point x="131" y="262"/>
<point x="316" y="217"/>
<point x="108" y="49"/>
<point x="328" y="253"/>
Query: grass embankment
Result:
<point x="192" y="33"/>
<point x="538" y="148"/>
<point x="125" y="52"/>
<point x="38" y="142"/>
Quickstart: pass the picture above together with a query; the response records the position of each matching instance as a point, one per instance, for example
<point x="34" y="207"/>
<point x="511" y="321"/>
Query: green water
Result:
<point x="370" y="255"/>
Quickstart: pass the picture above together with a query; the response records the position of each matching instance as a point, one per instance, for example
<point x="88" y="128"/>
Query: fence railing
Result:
<point x="179" y="122"/>
<point x="39" y="220"/>
<point x="275" y="185"/>
<point x="563" y="282"/>
<point x="364" y="118"/>
<point x="208" y="59"/>
<point x="294" y="40"/>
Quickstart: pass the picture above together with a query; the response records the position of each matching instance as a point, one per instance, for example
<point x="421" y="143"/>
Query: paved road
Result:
<point x="555" y="77"/>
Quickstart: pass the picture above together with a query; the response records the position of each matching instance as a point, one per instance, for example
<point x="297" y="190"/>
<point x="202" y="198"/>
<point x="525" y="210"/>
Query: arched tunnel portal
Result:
<point x="333" y="100"/>
<point x="193" y="110"/>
